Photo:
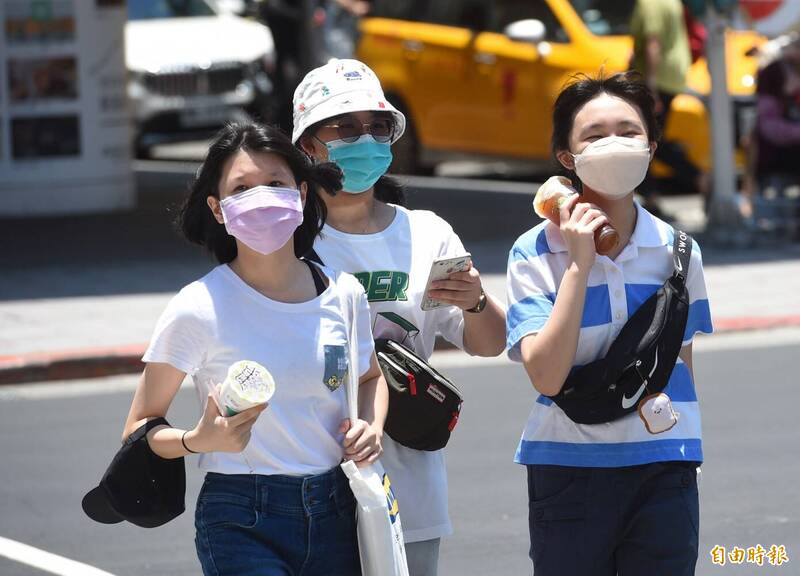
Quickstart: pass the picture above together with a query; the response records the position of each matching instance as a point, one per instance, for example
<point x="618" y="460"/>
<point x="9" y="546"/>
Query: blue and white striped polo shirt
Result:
<point x="536" y="264"/>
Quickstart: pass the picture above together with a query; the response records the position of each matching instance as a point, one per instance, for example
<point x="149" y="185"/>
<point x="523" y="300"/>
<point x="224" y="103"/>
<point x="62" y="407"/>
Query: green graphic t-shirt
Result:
<point x="393" y="267"/>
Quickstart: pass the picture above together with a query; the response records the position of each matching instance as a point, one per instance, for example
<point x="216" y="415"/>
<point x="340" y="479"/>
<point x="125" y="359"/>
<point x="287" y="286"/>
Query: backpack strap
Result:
<point x="681" y="254"/>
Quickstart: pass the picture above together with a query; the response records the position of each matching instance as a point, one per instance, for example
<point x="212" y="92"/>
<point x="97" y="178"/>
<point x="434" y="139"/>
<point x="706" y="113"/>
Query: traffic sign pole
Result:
<point x="724" y="220"/>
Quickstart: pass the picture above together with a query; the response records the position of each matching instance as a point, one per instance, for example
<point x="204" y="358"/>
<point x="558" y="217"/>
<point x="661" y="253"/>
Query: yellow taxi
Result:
<point x="477" y="78"/>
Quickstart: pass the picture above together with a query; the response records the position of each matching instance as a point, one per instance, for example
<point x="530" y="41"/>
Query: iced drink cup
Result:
<point x="552" y="195"/>
<point x="248" y="383"/>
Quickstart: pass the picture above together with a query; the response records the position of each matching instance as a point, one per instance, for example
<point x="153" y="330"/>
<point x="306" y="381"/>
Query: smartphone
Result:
<point x="440" y="270"/>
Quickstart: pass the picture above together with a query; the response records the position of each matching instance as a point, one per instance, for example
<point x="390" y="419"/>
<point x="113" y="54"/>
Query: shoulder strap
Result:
<point x="313" y="256"/>
<point x="319" y="283"/>
<point x="142" y="430"/>
<point x="350" y="314"/>
<point x="681" y="253"/>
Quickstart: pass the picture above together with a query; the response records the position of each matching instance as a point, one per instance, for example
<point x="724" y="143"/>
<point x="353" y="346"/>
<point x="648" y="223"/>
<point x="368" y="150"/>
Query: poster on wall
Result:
<point x="45" y="137"/>
<point x="63" y="109"/>
<point x="39" y="21"/>
<point x="38" y="79"/>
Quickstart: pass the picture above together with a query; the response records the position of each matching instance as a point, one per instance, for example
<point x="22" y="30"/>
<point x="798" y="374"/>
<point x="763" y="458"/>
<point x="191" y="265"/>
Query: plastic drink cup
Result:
<point x="552" y="195"/>
<point x="248" y="383"/>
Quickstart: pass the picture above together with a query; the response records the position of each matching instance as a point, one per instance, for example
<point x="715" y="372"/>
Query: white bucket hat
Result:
<point x="339" y="87"/>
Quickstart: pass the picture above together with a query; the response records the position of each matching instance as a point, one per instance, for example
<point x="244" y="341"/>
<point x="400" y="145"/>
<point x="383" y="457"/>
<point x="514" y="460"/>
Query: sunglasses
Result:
<point x="350" y="129"/>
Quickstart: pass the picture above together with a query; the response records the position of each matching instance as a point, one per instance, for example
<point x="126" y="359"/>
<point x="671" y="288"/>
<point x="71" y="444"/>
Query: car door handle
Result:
<point x="412" y="49"/>
<point x="485" y="58"/>
<point x="413" y="46"/>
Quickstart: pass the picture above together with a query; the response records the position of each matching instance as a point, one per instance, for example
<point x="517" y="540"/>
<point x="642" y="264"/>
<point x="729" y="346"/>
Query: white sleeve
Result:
<point x="366" y="344"/>
<point x="180" y="337"/>
<point x="530" y="300"/>
<point x="699" y="319"/>
<point x="350" y="288"/>
<point x="449" y="320"/>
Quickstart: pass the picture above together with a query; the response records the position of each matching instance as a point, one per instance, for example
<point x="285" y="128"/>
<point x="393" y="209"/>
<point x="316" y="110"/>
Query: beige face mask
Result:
<point x="613" y="166"/>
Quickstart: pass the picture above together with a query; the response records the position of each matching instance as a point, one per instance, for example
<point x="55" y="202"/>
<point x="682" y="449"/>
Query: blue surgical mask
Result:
<point x="362" y="162"/>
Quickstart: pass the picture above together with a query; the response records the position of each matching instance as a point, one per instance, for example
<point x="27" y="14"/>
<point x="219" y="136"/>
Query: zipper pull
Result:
<point x="412" y="383"/>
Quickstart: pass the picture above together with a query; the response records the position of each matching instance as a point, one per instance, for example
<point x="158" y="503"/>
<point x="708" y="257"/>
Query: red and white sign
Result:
<point x="772" y="17"/>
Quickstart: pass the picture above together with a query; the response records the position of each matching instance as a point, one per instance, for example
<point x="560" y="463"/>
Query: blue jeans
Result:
<point x="250" y="525"/>
<point x="632" y="521"/>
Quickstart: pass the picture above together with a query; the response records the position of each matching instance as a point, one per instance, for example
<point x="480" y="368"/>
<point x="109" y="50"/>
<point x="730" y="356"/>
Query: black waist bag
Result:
<point x="642" y="356"/>
<point x="423" y="405"/>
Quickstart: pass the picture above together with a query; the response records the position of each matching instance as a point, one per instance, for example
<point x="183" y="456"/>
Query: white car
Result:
<point x="192" y="68"/>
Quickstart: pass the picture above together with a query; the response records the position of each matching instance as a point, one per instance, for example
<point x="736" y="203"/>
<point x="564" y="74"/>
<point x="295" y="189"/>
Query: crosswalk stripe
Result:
<point x="46" y="561"/>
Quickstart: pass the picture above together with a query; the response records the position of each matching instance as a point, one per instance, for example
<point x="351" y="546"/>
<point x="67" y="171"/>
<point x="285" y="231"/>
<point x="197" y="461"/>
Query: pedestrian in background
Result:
<point x="603" y="498"/>
<point x="340" y="28"/>
<point x="342" y="116"/>
<point x="274" y="499"/>
<point x="661" y="54"/>
<point x="778" y="118"/>
<point x="286" y="21"/>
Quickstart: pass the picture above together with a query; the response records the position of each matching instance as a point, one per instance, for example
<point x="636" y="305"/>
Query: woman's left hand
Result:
<point x="462" y="289"/>
<point x="362" y="442"/>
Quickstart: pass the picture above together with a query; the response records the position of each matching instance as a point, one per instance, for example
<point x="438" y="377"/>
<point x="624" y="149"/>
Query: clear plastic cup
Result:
<point x="553" y="194"/>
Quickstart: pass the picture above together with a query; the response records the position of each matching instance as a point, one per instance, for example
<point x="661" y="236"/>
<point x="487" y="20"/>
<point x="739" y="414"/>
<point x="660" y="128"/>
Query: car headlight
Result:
<point x="136" y="86"/>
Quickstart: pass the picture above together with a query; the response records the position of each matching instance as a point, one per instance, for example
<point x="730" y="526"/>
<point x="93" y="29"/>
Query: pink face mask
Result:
<point x="264" y="218"/>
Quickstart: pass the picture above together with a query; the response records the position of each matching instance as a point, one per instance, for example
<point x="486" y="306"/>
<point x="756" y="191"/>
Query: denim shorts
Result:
<point x="249" y="524"/>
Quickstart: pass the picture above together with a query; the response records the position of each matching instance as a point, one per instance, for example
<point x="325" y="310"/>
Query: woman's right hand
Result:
<point x="217" y="433"/>
<point x="579" y="221"/>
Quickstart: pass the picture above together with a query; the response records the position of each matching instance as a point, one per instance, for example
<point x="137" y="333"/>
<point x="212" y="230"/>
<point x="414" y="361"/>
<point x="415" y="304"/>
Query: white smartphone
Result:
<point x="440" y="270"/>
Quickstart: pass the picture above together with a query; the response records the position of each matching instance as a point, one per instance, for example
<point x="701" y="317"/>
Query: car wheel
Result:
<point x="142" y="152"/>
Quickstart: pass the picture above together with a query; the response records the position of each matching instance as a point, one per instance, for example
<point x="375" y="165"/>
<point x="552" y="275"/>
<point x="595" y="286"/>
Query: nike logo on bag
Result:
<point x="628" y="402"/>
<point x="681" y="249"/>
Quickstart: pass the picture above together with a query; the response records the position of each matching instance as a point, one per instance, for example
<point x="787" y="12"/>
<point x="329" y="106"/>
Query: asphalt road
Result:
<point x="55" y="442"/>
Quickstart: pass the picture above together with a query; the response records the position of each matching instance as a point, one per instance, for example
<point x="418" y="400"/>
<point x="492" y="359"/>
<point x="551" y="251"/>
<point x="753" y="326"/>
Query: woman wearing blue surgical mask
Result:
<point x="342" y="116"/>
<point x="274" y="500"/>
<point x="616" y="497"/>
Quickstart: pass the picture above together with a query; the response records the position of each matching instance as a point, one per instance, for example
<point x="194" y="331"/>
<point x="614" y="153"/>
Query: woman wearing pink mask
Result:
<point x="613" y="497"/>
<point x="274" y="500"/>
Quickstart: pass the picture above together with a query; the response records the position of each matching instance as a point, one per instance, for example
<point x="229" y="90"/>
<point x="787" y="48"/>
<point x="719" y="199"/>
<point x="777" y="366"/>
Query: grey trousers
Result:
<point x="423" y="557"/>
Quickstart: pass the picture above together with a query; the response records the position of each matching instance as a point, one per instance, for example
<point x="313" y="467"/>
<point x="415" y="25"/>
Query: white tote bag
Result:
<point x="380" y="533"/>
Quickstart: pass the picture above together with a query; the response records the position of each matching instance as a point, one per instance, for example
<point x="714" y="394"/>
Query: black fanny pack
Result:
<point x="423" y="404"/>
<point x="641" y="358"/>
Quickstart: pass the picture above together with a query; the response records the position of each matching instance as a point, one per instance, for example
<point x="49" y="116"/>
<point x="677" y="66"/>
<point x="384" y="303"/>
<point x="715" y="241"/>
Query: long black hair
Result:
<point x="626" y="85"/>
<point x="195" y="219"/>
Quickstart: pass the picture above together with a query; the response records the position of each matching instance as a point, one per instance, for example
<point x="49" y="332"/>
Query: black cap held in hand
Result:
<point x="139" y="486"/>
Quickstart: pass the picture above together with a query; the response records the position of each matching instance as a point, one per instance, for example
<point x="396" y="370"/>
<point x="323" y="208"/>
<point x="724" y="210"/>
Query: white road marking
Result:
<point x="74" y="388"/>
<point x="46" y="561"/>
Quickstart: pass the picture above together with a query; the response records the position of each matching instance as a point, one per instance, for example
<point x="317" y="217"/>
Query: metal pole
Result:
<point x="724" y="219"/>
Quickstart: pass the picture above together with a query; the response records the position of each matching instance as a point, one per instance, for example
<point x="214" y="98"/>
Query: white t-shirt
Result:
<point x="393" y="267"/>
<point x="219" y="320"/>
